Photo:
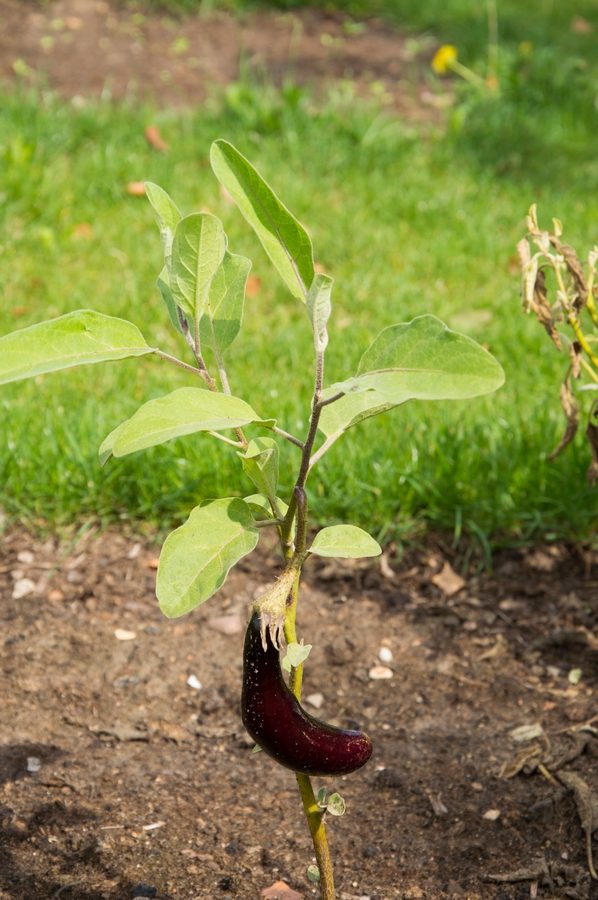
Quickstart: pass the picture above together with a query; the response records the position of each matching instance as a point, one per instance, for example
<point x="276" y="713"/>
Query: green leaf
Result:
<point x="76" y="339"/>
<point x="221" y="321"/>
<point x="197" y="250"/>
<point x="319" y="308"/>
<point x="336" y="805"/>
<point x="350" y="410"/>
<point x="284" y="239"/>
<point x="295" y="656"/>
<point x="344" y="542"/>
<point x="167" y="215"/>
<point x="417" y="360"/>
<point x="197" y="557"/>
<point x="163" y="284"/>
<point x="181" y="412"/>
<point x="260" y="464"/>
<point x="313" y="873"/>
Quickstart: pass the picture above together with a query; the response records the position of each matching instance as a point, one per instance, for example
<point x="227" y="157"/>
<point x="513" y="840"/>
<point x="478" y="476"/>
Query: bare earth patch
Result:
<point x="90" y="48"/>
<point x="119" y="775"/>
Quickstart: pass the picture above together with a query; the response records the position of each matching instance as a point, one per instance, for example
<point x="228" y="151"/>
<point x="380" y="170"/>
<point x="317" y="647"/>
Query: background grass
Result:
<point x="407" y="222"/>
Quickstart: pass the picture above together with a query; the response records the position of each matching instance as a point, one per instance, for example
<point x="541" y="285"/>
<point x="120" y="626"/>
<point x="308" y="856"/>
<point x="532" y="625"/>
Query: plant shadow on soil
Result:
<point x="145" y="782"/>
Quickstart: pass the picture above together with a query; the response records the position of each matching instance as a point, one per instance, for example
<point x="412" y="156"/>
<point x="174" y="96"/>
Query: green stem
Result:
<point x="177" y="362"/>
<point x="581" y="338"/>
<point x="319" y="837"/>
<point x="466" y="73"/>
<point x="590" y="302"/>
<point x="298" y="511"/>
<point x="313" y="814"/>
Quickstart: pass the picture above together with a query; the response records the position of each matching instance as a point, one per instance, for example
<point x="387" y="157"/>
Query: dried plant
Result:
<point x="566" y="306"/>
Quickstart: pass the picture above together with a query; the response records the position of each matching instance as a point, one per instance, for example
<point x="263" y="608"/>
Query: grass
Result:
<point x="406" y="222"/>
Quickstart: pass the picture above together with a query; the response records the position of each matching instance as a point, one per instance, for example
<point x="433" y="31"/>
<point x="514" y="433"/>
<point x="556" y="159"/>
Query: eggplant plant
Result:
<point x="203" y="286"/>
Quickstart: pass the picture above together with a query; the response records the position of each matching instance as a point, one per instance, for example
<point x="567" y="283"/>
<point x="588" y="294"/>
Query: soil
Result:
<point x="119" y="779"/>
<point x="90" y="48"/>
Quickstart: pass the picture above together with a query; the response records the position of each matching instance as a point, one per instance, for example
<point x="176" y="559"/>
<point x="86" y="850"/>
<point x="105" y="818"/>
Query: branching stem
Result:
<point x="226" y="440"/>
<point x="177" y="362"/>
<point x="298" y="511"/>
<point x="288" y="437"/>
<point x="265" y="523"/>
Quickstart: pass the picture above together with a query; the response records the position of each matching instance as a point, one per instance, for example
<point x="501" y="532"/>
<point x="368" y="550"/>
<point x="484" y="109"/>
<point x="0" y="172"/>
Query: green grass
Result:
<point x="406" y="222"/>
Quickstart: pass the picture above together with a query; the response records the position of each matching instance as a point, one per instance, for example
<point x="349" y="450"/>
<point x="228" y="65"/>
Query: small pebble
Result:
<point x="385" y="654"/>
<point x="315" y="700"/>
<point x="23" y="587"/>
<point x="491" y="815"/>
<point x="377" y="673"/>
<point x="121" y="634"/>
<point x="194" y="682"/>
<point x="26" y="557"/>
<point x="33" y="764"/>
<point x="230" y="624"/>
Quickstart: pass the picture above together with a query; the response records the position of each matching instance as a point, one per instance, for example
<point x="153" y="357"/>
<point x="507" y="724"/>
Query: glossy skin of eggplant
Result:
<point x="280" y="726"/>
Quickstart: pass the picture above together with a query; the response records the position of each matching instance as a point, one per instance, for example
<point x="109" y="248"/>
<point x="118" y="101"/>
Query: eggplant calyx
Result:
<point x="272" y="607"/>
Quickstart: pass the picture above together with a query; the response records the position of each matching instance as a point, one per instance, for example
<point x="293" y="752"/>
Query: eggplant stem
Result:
<point x="317" y="829"/>
<point x="313" y="814"/>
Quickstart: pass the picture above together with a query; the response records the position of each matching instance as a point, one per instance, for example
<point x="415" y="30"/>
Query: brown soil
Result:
<point x="144" y="780"/>
<point x="89" y="48"/>
<point x="118" y="779"/>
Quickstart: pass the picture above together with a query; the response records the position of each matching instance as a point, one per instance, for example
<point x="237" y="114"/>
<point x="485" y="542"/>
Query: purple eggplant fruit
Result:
<point x="280" y="726"/>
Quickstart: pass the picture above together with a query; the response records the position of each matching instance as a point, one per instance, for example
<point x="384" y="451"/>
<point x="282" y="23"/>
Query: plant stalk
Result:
<point x="298" y="510"/>
<point x="313" y="814"/>
<point x="319" y="837"/>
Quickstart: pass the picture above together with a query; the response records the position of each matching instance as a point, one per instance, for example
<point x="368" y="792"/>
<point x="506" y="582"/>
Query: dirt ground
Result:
<point x="120" y="779"/>
<point x="90" y="48"/>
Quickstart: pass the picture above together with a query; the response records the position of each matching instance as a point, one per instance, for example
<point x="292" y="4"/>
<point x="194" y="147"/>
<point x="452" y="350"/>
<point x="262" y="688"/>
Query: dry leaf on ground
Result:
<point x="448" y="581"/>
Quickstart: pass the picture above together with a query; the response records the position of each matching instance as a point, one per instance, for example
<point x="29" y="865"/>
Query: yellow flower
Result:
<point x="443" y="58"/>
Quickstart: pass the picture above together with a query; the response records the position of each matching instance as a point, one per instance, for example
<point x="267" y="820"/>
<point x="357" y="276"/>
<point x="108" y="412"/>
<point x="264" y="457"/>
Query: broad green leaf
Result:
<point x="197" y="557"/>
<point x="184" y="411"/>
<point x="197" y="250"/>
<point x="163" y="284"/>
<point x="166" y="213"/>
<point x="221" y="321"/>
<point x="319" y="308"/>
<point x="345" y="542"/>
<point x="350" y="410"/>
<point x="76" y="339"/>
<point x="424" y="359"/>
<point x="284" y="239"/>
<point x="417" y="360"/>
<point x="295" y="656"/>
<point x="260" y="464"/>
